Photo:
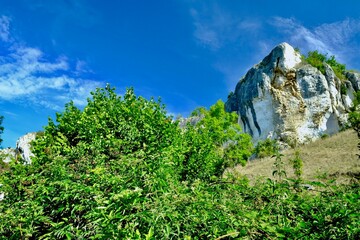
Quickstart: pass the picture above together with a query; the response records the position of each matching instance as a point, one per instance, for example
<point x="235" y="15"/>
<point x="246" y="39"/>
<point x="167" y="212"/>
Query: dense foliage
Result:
<point x="223" y="130"/>
<point x="317" y="60"/>
<point x="266" y="148"/>
<point x="122" y="169"/>
<point x="354" y="115"/>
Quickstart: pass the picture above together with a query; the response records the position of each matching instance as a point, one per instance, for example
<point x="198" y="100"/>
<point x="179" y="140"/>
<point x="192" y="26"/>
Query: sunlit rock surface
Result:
<point x="23" y="149"/>
<point x="285" y="98"/>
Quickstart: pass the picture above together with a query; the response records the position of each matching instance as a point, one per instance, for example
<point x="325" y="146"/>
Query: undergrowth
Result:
<point x="122" y="169"/>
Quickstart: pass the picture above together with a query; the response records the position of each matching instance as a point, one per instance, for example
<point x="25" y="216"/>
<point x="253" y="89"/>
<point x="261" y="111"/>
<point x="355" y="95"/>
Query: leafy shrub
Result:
<point x="354" y="115"/>
<point x="114" y="170"/>
<point x="297" y="165"/>
<point x="199" y="158"/>
<point x="324" y="136"/>
<point x="266" y="148"/>
<point x="225" y="133"/>
<point x="113" y="153"/>
<point x="317" y="60"/>
<point x="278" y="166"/>
<point x="337" y="67"/>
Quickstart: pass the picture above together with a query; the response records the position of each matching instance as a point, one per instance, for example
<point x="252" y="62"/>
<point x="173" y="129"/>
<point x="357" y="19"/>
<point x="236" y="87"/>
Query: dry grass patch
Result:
<point x="330" y="158"/>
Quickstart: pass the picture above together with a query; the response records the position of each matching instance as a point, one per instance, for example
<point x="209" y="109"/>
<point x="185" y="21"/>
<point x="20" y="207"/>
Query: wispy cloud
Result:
<point x="335" y="38"/>
<point x="205" y="32"/>
<point x="4" y="28"/>
<point x="214" y="27"/>
<point x="26" y="75"/>
<point x="226" y="34"/>
<point x="240" y="41"/>
<point x="81" y="67"/>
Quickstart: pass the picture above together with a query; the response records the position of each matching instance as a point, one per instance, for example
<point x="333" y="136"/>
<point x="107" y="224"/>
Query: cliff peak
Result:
<point x="285" y="98"/>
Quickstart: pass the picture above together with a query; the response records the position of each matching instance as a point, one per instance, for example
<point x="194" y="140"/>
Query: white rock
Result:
<point x="23" y="147"/>
<point x="7" y="154"/>
<point x="290" y="100"/>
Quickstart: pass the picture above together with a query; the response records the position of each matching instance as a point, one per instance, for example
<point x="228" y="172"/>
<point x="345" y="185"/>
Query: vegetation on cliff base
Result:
<point x="317" y="60"/>
<point x="223" y="130"/>
<point x="354" y="115"/>
<point x="122" y="169"/>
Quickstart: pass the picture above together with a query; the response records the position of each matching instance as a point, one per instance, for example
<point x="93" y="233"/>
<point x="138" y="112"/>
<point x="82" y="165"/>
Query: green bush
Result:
<point x="317" y="60"/>
<point x="92" y="168"/>
<point x="122" y="169"/>
<point x="337" y="67"/>
<point x="354" y="115"/>
<point x="266" y="148"/>
<point x="225" y="133"/>
<point x="297" y="165"/>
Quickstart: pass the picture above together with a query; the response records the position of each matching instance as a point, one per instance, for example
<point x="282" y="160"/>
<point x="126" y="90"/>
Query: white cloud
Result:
<point x="338" y="33"/>
<point x="226" y="34"/>
<point x="82" y="67"/>
<point x="214" y="28"/>
<point x="27" y="76"/>
<point x="205" y="32"/>
<point x="4" y="29"/>
<point x="332" y="38"/>
<point x="249" y="25"/>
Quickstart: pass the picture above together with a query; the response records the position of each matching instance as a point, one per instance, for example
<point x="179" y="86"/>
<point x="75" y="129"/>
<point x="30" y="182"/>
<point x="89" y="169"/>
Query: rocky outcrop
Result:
<point x="285" y="98"/>
<point x="183" y="122"/>
<point x="22" y="150"/>
<point x="23" y="147"/>
<point x="354" y="78"/>
<point x="7" y="154"/>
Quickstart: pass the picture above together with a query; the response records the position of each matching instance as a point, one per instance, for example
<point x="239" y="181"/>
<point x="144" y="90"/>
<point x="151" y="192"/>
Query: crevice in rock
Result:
<point x="253" y="113"/>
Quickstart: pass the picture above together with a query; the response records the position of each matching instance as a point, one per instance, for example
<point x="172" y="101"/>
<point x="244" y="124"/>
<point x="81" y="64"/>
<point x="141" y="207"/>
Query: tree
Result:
<point x="225" y="132"/>
<point x="354" y="115"/>
<point x="100" y="163"/>
<point x="122" y="169"/>
<point x="215" y="143"/>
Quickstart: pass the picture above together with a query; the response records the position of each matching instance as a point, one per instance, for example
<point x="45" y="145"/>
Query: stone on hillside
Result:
<point x="7" y="154"/>
<point x="183" y="122"/>
<point x="285" y="98"/>
<point x="23" y="147"/>
<point x="354" y="78"/>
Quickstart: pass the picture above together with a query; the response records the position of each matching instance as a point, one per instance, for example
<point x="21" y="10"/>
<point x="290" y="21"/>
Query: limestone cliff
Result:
<point x="23" y="149"/>
<point x="285" y="98"/>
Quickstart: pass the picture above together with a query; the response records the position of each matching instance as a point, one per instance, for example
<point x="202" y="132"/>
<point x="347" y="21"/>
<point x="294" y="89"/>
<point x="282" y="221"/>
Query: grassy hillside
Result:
<point x="330" y="158"/>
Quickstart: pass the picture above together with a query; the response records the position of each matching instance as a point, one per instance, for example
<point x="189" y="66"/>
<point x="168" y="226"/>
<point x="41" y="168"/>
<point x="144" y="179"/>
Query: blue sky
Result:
<point x="190" y="53"/>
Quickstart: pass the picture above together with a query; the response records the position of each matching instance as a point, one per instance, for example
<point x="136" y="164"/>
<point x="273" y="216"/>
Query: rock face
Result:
<point x="7" y="154"/>
<point x="285" y="98"/>
<point x="23" y="149"/>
